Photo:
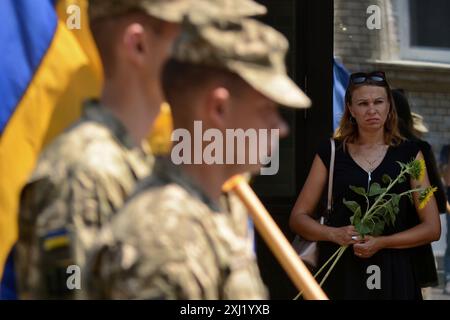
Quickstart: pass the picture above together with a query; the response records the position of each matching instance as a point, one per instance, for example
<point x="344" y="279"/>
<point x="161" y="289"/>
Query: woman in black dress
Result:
<point x="368" y="145"/>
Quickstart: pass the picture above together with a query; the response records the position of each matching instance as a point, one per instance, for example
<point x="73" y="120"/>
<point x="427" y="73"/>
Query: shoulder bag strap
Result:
<point x="330" y="176"/>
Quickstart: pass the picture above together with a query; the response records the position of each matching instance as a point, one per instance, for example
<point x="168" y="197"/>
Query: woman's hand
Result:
<point x="367" y="247"/>
<point x="344" y="236"/>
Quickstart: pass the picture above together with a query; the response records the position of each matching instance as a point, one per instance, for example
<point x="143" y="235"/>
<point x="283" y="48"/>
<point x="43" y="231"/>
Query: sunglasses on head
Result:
<point x="361" y="77"/>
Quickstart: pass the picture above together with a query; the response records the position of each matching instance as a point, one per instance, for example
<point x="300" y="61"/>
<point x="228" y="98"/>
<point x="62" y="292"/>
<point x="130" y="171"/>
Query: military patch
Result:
<point x="56" y="239"/>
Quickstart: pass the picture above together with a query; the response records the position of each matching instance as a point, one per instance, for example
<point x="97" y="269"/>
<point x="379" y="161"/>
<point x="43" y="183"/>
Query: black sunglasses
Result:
<point x="361" y="77"/>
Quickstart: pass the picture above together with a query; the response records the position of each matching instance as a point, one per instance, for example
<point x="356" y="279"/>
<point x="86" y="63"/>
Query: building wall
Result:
<point x="427" y="84"/>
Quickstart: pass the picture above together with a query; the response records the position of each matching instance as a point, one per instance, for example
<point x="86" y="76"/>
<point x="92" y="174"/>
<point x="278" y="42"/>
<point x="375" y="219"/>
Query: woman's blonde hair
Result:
<point x="348" y="128"/>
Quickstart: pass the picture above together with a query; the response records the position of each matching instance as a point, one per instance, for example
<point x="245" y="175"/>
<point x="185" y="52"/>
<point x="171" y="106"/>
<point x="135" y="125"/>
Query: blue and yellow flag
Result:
<point x="48" y="66"/>
<point x="341" y="78"/>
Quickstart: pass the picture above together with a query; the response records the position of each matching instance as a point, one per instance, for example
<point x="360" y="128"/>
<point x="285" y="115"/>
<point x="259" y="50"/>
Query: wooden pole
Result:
<point x="275" y="239"/>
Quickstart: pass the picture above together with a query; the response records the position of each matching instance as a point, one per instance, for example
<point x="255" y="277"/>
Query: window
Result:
<point x="424" y="30"/>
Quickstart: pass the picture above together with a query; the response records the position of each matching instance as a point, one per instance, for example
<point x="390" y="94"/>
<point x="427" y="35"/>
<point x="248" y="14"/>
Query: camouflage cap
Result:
<point x="203" y="11"/>
<point x="251" y="49"/>
<point x="174" y="10"/>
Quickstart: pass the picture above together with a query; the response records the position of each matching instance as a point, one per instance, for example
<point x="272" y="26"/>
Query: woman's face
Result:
<point x="370" y="107"/>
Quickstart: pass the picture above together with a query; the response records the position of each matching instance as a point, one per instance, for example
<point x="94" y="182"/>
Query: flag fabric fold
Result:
<point x="46" y="71"/>
<point x="340" y="82"/>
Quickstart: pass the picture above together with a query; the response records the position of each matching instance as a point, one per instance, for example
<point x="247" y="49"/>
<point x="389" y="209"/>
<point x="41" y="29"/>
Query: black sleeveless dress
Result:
<point x="349" y="278"/>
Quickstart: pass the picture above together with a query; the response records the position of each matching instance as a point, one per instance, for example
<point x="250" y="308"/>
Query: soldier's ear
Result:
<point x="135" y="45"/>
<point x="218" y="106"/>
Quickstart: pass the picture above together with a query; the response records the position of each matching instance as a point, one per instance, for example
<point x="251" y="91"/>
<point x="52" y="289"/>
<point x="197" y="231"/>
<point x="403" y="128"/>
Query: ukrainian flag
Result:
<point x="341" y="77"/>
<point x="48" y="66"/>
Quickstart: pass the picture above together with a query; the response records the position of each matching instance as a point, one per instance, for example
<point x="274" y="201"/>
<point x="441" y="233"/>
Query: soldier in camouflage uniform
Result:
<point x="173" y="239"/>
<point x="84" y="176"/>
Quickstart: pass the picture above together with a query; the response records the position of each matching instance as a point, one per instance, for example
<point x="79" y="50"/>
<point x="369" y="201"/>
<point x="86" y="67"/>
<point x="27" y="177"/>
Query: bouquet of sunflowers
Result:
<point x="383" y="210"/>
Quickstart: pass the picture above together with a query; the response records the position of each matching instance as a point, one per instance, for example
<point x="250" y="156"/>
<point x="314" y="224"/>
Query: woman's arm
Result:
<point x="301" y="221"/>
<point x="428" y="230"/>
<point x="434" y="176"/>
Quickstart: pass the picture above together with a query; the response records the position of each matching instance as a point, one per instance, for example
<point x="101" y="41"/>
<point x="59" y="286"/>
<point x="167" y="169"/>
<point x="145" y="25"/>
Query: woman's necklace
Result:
<point x="371" y="168"/>
<point x="372" y="163"/>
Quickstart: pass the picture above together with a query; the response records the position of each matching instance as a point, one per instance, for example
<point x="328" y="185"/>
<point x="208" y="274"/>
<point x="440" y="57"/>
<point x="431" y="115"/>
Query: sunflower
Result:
<point x="425" y="196"/>
<point x="417" y="169"/>
<point x="423" y="169"/>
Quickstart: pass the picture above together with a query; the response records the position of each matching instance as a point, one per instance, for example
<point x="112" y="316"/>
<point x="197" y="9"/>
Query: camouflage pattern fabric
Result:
<point x="254" y="51"/>
<point x="170" y="241"/>
<point x="80" y="181"/>
<point x="174" y="10"/>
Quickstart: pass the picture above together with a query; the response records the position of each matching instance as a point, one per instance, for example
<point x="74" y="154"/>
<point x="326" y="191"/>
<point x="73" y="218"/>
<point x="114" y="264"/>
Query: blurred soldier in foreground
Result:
<point x="172" y="239"/>
<point x="85" y="175"/>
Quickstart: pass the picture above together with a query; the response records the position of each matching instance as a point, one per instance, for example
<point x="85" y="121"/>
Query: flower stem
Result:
<point x="402" y="173"/>
<point x="342" y="250"/>
<point x="321" y="269"/>
<point x="375" y="208"/>
<point x="328" y="261"/>
<point x="411" y="191"/>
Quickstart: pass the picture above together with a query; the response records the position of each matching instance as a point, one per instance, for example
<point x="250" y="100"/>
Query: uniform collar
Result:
<point x="94" y="111"/>
<point x="167" y="171"/>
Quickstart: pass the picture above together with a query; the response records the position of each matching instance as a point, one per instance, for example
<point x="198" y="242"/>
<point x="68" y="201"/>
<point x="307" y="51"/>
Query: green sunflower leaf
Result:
<point x="358" y="190"/>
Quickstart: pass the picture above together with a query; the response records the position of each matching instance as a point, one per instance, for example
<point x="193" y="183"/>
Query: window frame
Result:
<point x="410" y="52"/>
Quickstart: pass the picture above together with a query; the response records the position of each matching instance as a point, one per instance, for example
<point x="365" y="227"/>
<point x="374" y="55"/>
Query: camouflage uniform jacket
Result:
<point x="170" y="241"/>
<point x="80" y="180"/>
